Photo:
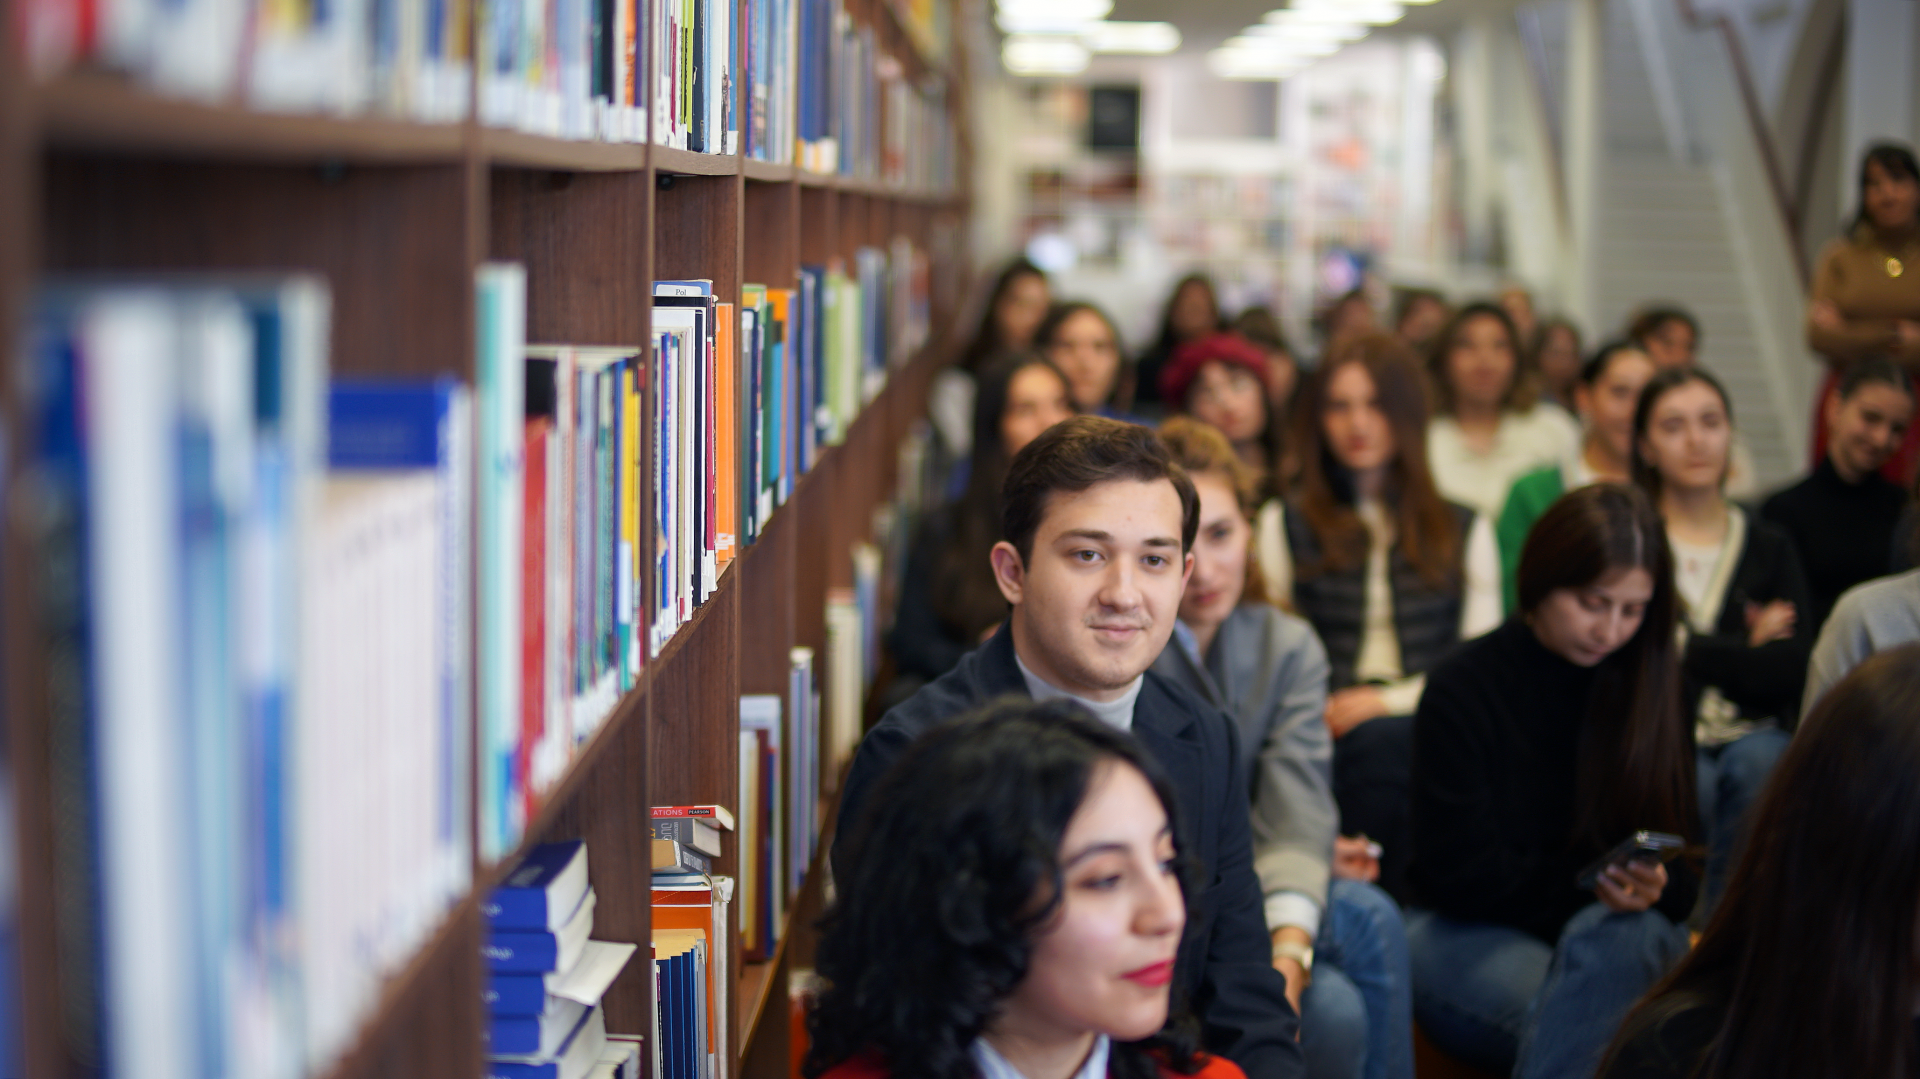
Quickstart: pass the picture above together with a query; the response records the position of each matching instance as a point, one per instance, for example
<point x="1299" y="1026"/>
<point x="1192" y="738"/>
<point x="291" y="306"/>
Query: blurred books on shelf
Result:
<point x="693" y="982"/>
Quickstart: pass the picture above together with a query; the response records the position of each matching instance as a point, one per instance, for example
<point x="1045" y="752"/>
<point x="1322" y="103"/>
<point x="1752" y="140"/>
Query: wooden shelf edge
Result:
<point x="688" y="163"/>
<point x="517" y="149"/>
<point x="402" y="986"/>
<point x="768" y="172"/>
<point x="754" y="989"/>
<point x="99" y="112"/>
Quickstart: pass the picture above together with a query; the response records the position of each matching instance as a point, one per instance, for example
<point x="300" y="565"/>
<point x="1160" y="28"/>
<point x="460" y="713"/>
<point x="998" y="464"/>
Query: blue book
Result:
<point x="543" y="892"/>
<point x="515" y="994"/>
<point x="574" y="1060"/>
<point x="539" y="1035"/>
<point x="540" y="951"/>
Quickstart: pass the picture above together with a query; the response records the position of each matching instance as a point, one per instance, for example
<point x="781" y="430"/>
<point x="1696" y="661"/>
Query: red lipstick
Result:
<point x="1156" y="975"/>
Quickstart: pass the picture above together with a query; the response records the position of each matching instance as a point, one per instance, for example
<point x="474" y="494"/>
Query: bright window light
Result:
<point x="1044" y="55"/>
<point x="1242" y="64"/>
<point x="1146" y="38"/>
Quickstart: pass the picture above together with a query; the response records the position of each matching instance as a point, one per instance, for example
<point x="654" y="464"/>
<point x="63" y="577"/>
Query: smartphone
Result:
<point x="1638" y="847"/>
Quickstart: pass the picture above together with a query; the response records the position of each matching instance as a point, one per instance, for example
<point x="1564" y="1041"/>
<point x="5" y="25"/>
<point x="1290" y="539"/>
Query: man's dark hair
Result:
<point x="1651" y="319"/>
<point x="1077" y="453"/>
<point x="1871" y="369"/>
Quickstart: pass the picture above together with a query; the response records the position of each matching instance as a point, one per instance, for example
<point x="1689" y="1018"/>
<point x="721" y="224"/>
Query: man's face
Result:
<point x="1094" y="605"/>
<point x="1866" y="429"/>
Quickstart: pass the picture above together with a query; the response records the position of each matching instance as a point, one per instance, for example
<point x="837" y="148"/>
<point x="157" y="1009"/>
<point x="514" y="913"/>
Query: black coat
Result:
<point x="1766" y="681"/>
<point x="1225" y="961"/>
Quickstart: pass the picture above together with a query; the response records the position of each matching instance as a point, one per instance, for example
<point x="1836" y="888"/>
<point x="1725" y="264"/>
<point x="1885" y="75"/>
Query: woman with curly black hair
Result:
<point x="1011" y="904"/>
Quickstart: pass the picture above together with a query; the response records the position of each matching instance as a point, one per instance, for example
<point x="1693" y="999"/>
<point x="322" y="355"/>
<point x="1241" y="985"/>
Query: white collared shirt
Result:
<point x="994" y="1066"/>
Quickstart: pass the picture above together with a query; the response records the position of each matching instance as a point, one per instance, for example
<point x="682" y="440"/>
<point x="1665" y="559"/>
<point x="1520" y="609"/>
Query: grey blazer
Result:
<point x="1267" y="671"/>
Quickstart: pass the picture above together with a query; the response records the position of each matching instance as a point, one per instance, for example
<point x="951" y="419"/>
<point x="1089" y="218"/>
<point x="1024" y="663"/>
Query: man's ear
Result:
<point x="1186" y="571"/>
<point x="1008" y="573"/>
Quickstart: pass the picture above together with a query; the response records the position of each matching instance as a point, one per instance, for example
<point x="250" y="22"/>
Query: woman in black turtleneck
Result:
<point x="1537" y="748"/>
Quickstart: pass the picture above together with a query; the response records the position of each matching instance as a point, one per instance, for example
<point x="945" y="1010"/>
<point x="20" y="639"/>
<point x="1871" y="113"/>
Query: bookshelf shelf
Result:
<point x="99" y="175"/>
<point x="98" y="112"/>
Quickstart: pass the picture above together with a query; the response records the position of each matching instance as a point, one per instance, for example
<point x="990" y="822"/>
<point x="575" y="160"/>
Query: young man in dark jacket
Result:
<point x="1097" y="527"/>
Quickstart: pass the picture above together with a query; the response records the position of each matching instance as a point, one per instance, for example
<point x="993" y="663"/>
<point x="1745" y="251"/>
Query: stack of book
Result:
<point x="690" y="928"/>
<point x="545" y="977"/>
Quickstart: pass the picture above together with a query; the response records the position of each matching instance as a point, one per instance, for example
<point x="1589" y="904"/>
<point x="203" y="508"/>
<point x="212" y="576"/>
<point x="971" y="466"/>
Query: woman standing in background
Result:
<point x="1866" y="288"/>
<point x="1015" y="306"/>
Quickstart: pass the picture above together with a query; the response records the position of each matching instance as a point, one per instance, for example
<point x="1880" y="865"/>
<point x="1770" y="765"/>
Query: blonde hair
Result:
<point x="1202" y="449"/>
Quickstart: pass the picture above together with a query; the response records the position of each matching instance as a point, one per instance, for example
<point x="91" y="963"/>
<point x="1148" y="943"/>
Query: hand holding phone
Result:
<point x="1656" y="848"/>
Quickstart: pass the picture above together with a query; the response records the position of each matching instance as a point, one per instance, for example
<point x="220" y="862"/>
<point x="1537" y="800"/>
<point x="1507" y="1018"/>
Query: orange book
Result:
<point x="687" y="910"/>
<point x="727" y="452"/>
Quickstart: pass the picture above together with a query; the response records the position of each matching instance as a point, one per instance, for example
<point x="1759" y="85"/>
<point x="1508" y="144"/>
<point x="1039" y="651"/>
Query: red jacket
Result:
<point x="869" y="1067"/>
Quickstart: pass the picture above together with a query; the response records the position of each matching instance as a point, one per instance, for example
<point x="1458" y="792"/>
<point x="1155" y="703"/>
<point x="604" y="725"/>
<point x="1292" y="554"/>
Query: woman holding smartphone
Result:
<point x="1011" y="904"/>
<point x="1537" y="749"/>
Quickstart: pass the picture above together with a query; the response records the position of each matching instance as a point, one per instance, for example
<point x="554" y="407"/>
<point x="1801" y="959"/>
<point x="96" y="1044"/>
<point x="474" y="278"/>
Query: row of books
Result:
<point x="408" y="59"/>
<point x="252" y="607"/>
<point x="546" y="975"/>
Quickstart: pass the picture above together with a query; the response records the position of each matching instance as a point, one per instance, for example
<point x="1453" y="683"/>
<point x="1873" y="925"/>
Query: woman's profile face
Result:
<point x="1104" y="962"/>
<point x="1481" y="364"/>
<point x="1084" y="350"/>
<point x="1021" y="308"/>
<point x="1893" y="202"/>
<point x="1355" y="427"/>
<point x="1586" y="625"/>
<point x="1220" y="552"/>
<point x="1229" y="397"/>
<point x="1687" y="437"/>
<point x="1036" y="400"/>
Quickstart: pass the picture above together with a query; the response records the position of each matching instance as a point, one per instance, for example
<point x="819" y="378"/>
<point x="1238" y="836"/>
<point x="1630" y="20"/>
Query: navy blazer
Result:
<point x="1225" y="962"/>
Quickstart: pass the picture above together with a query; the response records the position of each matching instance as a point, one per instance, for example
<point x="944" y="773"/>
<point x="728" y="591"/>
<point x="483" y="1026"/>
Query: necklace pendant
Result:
<point x="1894" y="267"/>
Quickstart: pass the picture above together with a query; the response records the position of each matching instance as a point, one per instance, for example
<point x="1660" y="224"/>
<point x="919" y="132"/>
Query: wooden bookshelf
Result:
<point x="99" y="175"/>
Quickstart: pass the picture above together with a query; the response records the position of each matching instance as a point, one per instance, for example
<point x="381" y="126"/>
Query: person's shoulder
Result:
<point x="1474" y="660"/>
<point x="1544" y="482"/>
<point x="949" y="695"/>
<point x="1670" y="1045"/>
<point x="1211" y="1067"/>
<point x="1784" y="504"/>
<point x="865" y="1066"/>
<point x="1836" y="249"/>
<point x="1864" y="601"/>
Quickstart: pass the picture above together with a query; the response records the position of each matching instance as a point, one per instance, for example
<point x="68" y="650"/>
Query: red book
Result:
<point x="720" y="815"/>
<point x="533" y="606"/>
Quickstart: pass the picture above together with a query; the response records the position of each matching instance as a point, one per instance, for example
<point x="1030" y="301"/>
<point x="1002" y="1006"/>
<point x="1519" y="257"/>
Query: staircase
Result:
<point x="1665" y="236"/>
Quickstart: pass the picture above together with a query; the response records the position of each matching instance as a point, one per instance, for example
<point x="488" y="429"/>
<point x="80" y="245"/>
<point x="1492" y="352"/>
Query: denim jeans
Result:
<point x="1731" y="779"/>
<point x="1502" y="1000"/>
<point x="1357" y="1016"/>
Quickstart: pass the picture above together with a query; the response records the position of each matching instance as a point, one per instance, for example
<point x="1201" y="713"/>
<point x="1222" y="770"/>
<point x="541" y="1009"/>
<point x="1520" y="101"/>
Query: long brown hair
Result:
<point x="1636" y="748"/>
<point x="1522" y="392"/>
<point x="1201" y="448"/>
<point x="1812" y="949"/>
<point x="965" y="596"/>
<point x="1425" y="529"/>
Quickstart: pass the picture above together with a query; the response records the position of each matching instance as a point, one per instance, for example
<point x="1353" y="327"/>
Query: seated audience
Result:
<point x="1606" y="394"/>
<point x="1842" y="517"/>
<point x="1097" y="526"/>
<point x="1671" y="338"/>
<point x="948" y="601"/>
<point x="1540" y="747"/>
<point x="1085" y="345"/>
<point x="1489" y="429"/>
<point x="1391" y="575"/>
<point x="1418" y="316"/>
<point x="1192" y="312"/>
<point x="1869" y="619"/>
<point x="1743" y="589"/>
<point x="1011" y="906"/>
<point x="1015" y="305"/>
<point x="1556" y="355"/>
<point x="1839" y="879"/>
<point x="1340" y="943"/>
<point x="1221" y="380"/>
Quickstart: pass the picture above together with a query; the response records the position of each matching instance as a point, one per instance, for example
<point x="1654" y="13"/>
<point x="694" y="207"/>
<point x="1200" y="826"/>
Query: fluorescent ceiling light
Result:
<point x="1370" y="12"/>
<point x="1147" y="38"/>
<point x="1240" y="64"/>
<point x="1044" y="55"/>
<point x="1267" y="46"/>
<point x="1263" y="33"/>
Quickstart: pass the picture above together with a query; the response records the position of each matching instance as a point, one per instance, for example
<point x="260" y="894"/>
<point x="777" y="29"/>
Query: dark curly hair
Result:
<point x="952" y="868"/>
